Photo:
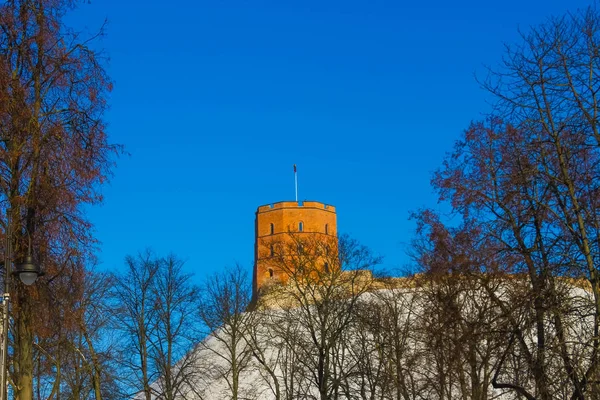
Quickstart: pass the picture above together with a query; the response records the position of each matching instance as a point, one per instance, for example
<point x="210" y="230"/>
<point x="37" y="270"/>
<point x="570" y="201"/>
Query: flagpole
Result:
<point x="296" y="181"/>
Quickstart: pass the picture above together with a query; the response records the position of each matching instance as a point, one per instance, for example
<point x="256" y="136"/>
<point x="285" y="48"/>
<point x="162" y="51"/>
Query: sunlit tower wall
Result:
<point x="274" y="223"/>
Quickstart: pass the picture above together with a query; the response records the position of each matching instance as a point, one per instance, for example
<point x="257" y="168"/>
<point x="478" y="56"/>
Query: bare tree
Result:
<point x="392" y="363"/>
<point x="223" y="308"/>
<point x="82" y="361"/>
<point x="499" y="181"/>
<point x="458" y="326"/>
<point x="365" y="348"/>
<point x="174" y="331"/>
<point x="547" y="87"/>
<point x="94" y="317"/>
<point x="325" y="278"/>
<point x="135" y="315"/>
<point x="155" y="304"/>
<point x="269" y="350"/>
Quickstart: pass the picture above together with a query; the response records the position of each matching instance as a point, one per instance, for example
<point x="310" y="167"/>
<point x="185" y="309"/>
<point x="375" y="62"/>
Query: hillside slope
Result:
<point x="443" y="341"/>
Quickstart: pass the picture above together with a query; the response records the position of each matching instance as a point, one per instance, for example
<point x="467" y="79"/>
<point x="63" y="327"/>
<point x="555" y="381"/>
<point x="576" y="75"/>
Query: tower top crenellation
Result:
<point x="296" y="204"/>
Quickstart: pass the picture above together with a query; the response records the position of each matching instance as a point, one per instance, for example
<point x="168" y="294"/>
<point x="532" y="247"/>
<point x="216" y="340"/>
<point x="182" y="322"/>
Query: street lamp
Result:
<point x="28" y="273"/>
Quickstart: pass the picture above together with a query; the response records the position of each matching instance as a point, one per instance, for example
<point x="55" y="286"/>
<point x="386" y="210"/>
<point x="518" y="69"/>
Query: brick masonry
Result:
<point x="275" y="221"/>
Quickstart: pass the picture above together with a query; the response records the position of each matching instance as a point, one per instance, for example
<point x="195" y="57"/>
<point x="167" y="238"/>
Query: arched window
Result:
<point x="272" y="229"/>
<point x="327" y="229"/>
<point x="326" y="267"/>
<point x="272" y="250"/>
<point x="301" y="226"/>
<point x="270" y="273"/>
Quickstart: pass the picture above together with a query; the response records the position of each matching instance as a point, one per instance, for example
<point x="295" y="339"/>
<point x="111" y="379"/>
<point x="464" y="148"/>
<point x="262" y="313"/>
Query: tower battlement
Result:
<point x="296" y="204"/>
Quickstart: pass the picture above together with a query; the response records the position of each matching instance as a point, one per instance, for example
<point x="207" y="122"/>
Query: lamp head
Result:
<point x="27" y="271"/>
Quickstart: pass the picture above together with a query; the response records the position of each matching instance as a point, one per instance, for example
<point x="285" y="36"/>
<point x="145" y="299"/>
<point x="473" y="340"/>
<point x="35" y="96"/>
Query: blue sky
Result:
<point x="216" y="100"/>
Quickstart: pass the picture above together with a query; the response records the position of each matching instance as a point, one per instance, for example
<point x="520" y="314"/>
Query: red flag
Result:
<point x="294" y="168"/>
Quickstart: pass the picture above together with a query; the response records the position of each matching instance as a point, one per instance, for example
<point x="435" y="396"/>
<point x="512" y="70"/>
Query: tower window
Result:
<point x="272" y="229"/>
<point x="272" y="250"/>
<point x="327" y="229"/>
<point x="270" y="273"/>
<point x="326" y="267"/>
<point x="301" y="226"/>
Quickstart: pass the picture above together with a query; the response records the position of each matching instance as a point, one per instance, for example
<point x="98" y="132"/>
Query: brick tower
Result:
<point x="275" y="221"/>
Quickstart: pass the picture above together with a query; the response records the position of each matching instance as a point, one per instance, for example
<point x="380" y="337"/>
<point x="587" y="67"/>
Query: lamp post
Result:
<point x="28" y="273"/>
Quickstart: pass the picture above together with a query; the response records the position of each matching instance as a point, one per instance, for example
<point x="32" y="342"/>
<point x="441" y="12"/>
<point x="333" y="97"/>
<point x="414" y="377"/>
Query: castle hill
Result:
<point x="316" y="200"/>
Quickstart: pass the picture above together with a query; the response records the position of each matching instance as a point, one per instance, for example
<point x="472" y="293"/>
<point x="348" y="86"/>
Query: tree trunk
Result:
<point x="23" y="348"/>
<point x="96" y="368"/>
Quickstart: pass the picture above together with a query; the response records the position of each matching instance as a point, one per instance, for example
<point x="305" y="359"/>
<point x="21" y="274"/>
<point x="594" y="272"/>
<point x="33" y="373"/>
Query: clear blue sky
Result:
<point x="216" y="100"/>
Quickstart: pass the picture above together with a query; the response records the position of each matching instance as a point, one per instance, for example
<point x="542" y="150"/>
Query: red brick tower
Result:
<point x="275" y="221"/>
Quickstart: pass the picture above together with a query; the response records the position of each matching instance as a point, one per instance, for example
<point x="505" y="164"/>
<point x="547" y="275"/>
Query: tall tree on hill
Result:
<point x="529" y="194"/>
<point x="325" y="280"/>
<point x="461" y="322"/>
<point x="268" y="350"/>
<point x="499" y="179"/>
<point x="388" y="360"/>
<point x="525" y="183"/>
<point x="223" y="308"/>
<point x="54" y="153"/>
<point x="548" y="87"/>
